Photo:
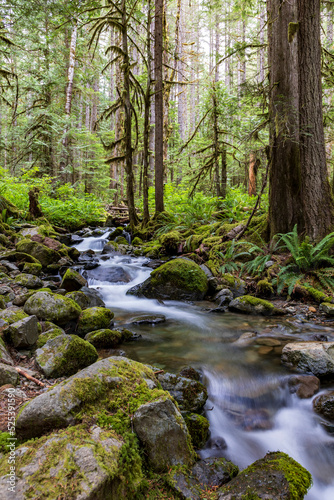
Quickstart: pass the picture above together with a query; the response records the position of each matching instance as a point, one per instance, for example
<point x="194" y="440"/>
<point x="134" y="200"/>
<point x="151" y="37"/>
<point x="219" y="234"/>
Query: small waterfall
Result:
<point x="95" y="243"/>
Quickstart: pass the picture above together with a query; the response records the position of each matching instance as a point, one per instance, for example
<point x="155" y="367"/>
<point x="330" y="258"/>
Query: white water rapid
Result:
<point x="250" y="408"/>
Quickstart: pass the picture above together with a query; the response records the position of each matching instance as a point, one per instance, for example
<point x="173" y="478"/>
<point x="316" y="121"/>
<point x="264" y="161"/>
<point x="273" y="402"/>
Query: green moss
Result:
<point x="263" y="287"/>
<point x="171" y="241"/>
<point x="48" y="335"/>
<point x="213" y="241"/>
<point x="226" y="228"/>
<point x="12" y="316"/>
<point x="198" y="427"/>
<point x="104" y="338"/>
<point x="137" y="242"/>
<point x="182" y="273"/>
<point x="120" y="240"/>
<point x="32" y="268"/>
<point x="193" y="242"/>
<point x="4" y="440"/>
<point x="94" y="318"/>
<point x="292" y="30"/>
<point x="315" y="294"/>
<point x="254" y="301"/>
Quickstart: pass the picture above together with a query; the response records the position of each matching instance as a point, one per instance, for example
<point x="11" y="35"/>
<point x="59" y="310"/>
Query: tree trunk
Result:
<point x="296" y="125"/>
<point x="127" y="121"/>
<point x="252" y="173"/>
<point x="147" y="107"/>
<point x="159" y="112"/>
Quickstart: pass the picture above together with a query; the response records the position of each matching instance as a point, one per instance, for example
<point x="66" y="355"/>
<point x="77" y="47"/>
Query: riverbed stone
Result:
<point x="23" y="334"/>
<point x="104" y="338"/>
<point x="32" y="268"/>
<point x="148" y="319"/>
<point x="42" y="253"/>
<point x="72" y="281"/>
<point x="8" y="375"/>
<point x="112" y="274"/>
<point x="207" y="474"/>
<point x="48" y="334"/>
<point x="94" y="296"/>
<point x="52" y="307"/>
<point x="12" y="314"/>
<point x="79" y="298"/>
<point x="4" y="354"/>
<point x="76" y="463"/>
<point x="305" y="386"/>
<point x="252" y="305"/>
<point x="109" y="384"/>
<point x="274" y="477"/>
<point x="190" y="395"/>
<point x="65" y="355"/>
<point x="198" y="427"/>
<point x="223" y="297"/>
<point x="324" y="405"/>
<point x="314" y="357"/>
<point x="163" y="432"/>
<point x="236" y="285"/>
<point x="178" y="279"/>
<point x="327" y="308"/>
<point x="94" y="318"/>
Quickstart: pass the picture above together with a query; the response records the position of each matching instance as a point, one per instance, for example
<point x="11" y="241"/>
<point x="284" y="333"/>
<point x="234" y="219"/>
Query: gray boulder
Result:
<point x="8" y="375"/>
<point x="52" y="307"/>
<point x="190" y="395"/>
<point x="79" y="298"/>
<point x="207" y="474"/>
<point x="324" y="405"/>
<point x="65" y="355"/>
<point x="314" y="357"/>
<point x="327" y="308"/>
<point x="163" y="432"/>
<point x="4" y="354"/>
<point x="224" y="297"/>
<point x="78" y="463"/>
<point x="72" y="281"/>
<point x="274" y="477"/>
<point x="24" y="333"/>
<point x="29" y="281"/>
<point x="12" y="314"/>
<point x="148" y="319"/>
<point x="94" y="296"/>
<point x="66" y="403"/>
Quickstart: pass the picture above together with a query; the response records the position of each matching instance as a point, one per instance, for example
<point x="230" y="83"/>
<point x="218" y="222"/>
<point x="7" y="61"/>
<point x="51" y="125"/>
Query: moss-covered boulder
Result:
<point x="171" y="242"/>
<point x="327" y="308"/>
<point x="314" y="357"/>
<point x="49" y="334"/>
<point x="178" y="279"/>
<point x="28" y="281"/>
<point x="52" y="307"/>
<point x="206" y="475"/>
<point x="2" y="302"/>
<point x="79" y="298"/>
<point x="252" y="305"/>
<point x="104" y="338"/>
<point x="116" y="233"/>
<point x="4" y="354"/>
<point x="236" y="285"/>
<point x="12" y="314"/>
<point x="32" y="268"/>
<point x="191" y="395"/>
<point x="76" y="463"/>
<point x="42" y="253"/>
<point x="92" y="319"/>
<point x="198" y="427"/>
<point x="65" y="355"/>
<point x="23" y="334"/>
<point x="163" y="432"/>
<point x="137" y="242"/>
<point x="8" y="375"/>
<point x="72" y="281"/>
<point x="110" y="391"/>
<point x="276" y="476"/>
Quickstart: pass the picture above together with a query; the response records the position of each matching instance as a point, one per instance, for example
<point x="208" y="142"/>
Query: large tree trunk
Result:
<point x="299" y="188"/>
<point x="146" y="134"/>
<point x="159" y="112"/>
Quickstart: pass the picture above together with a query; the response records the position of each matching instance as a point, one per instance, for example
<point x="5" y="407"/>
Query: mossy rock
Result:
<point x="153" y="251"/>
<point x="52" y="333"/>
<point x="212" y="242"/>
<point x="77" y="462"/>
<point x="72" y="281"/>
<point x="198" y="427"/>
<point x="65" y="355"/>
<point x="42" y="253"/>
<point x="92" y="319"/>
<point x="52" y="307"/>
<point x="137" y="242"/>
<point x="32" y="268"/>
<point x="171" y="242"/>
<point x="120" y="240"/>
<point x="104" y="338"/>
<point x="28" y="281"/>
<point x="2" y="303"/>
<point x="4" y="240"/>
<point x="117" y="232"/>
<point x="79" y="298"/>
<point x="14" y="256"/>
<point x="226" y="228"/>
<point x="252" y="305"/>
<point x="12" y="314"/>
<point x="313" y="294"/>
<point x="264" y="288"/>
<point x="276" y="476"/>
<point x="236" y="285"/>
<point x="193" y="242"/>
<point x="327" y="308"/>
<point x="178" y="279"/>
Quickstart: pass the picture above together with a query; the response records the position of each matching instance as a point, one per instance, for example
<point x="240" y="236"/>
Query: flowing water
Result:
<point x="250" y="408"/>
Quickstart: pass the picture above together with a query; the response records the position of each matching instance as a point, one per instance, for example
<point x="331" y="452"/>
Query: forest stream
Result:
<point x="250" y="408"/>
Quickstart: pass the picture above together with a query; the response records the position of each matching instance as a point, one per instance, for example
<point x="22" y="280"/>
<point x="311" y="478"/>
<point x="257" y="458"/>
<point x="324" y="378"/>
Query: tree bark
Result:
<point x="252" y="173"/>
<point x="159" y="115"/>
<point x="299" y="188"/>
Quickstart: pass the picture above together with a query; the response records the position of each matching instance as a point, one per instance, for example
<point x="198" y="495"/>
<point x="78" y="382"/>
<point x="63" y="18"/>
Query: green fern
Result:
<point x="230" y="258"/>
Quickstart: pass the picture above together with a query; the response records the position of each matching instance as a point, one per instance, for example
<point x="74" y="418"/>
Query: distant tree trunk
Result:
<point x="147" y="108"/>
<point x="224" y="173"/>
<point x="252" y="174"/>
<point x="296" y="124"/>
<point x="159" y="112"/>
<point x="216" y="142"/>
<point x="261" y="55"/>
<point x="35" y="210"/>
<point x="217" y="35"/>
<point x="127" y="121"/>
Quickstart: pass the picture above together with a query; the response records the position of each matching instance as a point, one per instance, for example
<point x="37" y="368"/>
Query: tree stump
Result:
<point x="35" y="210"/>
